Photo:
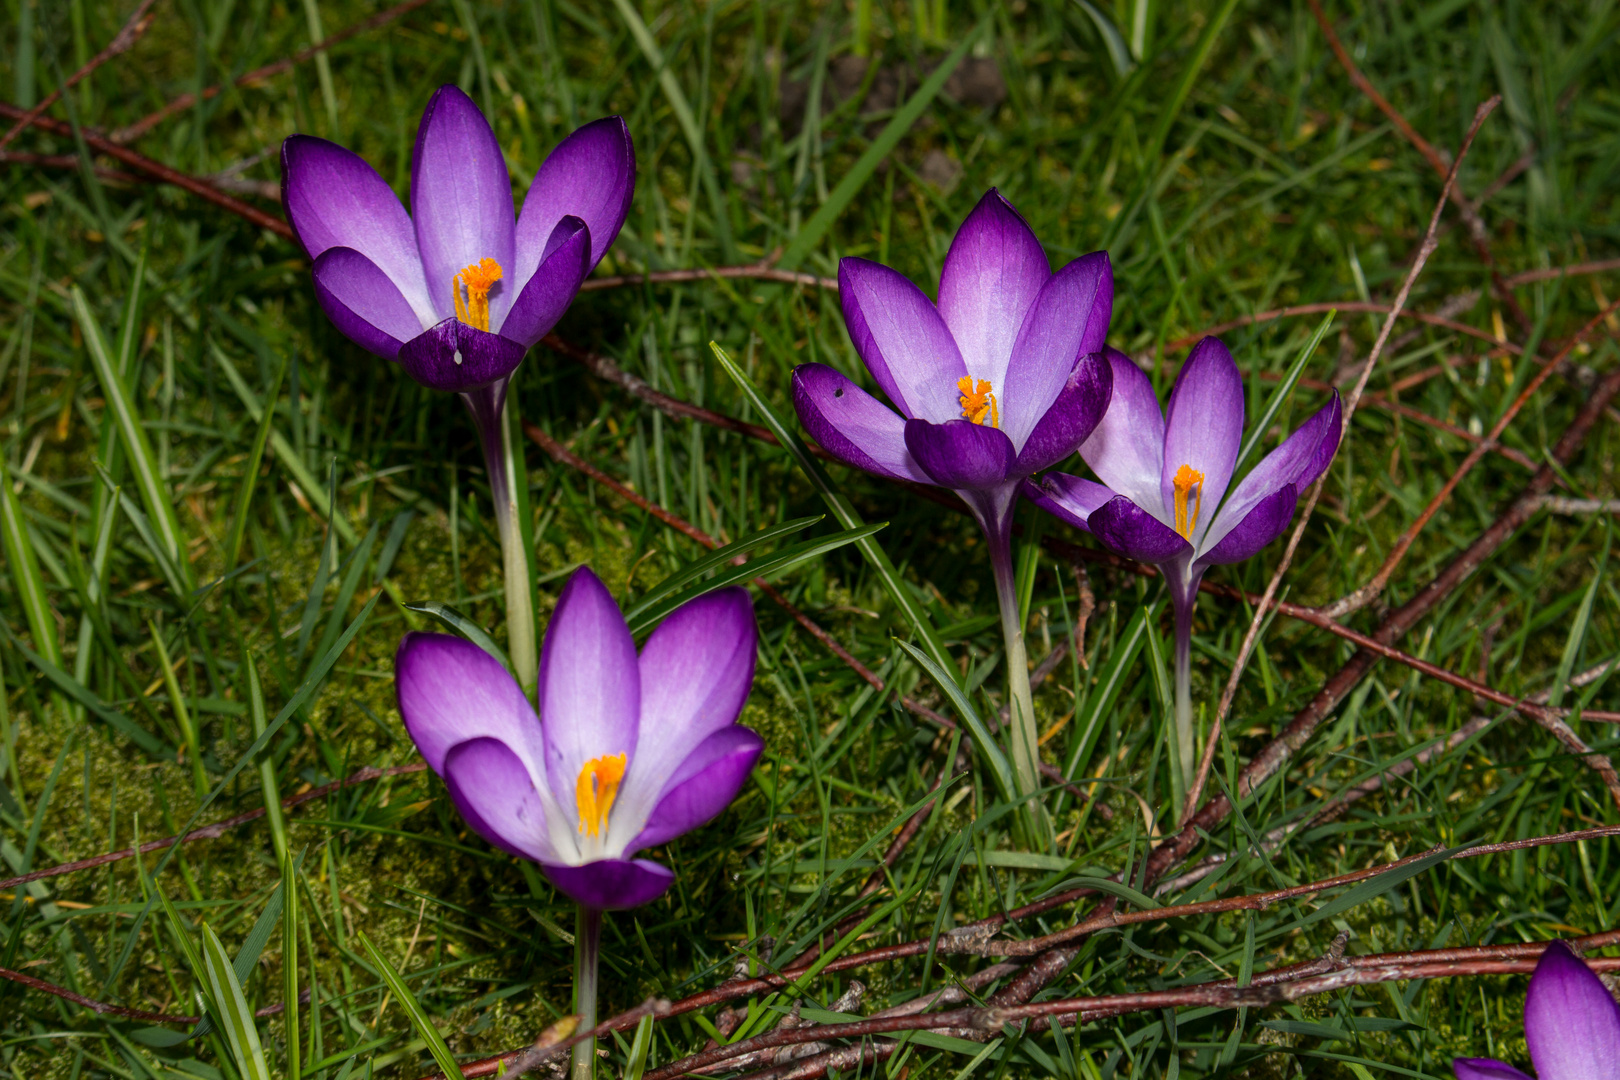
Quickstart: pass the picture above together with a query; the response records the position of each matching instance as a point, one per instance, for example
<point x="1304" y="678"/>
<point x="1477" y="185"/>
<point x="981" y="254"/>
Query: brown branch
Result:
<point x="121" y="43"/>
<point x="1470" y="215"/>
<point x="185" y="101"/>
<point x="1553" y="273"/>
<point x="754" y="272"/>
<point x="1282" y="749"/>
<point x="67" y="161"/>
<point x="1196" y="792"/>
<point x="218" y="828"/>
<point x="160" y="171"/>
<point x="1355" y="306"/>
<point x="1370" y="591"/>
<point x="106" y="1009"/>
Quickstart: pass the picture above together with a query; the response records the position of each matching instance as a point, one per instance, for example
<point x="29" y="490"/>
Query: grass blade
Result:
<point x="289" y="458"/>
<point x="1280" y="395"/>
<point x="25" y="576"/>
<point x="464" y="626"/>
<point x="154" y="492"/>
<point x="413" y="1008"/>
<point x="719" y="557"/>
<point x="813" y="230"/>
<point x="982" y="741"/>
<point x="231" y="1007"/>
<point x="289" y="961"/>
<point x="250" y="477"/>
<point x="921" y="624"/>
<point x="775" y="563"/>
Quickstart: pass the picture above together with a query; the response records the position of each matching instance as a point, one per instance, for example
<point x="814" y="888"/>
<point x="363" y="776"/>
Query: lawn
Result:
<point x="219" y="516"/>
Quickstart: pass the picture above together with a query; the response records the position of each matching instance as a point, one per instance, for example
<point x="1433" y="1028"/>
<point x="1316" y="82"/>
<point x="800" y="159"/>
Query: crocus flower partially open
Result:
<point x="628" y="752"/>
<point x="997" y="382"/>
<point x="1000" y="380"/>
<point x="459" y="290"/>
<point x="1164" y="478"/>
<point x="1570" y="1022"/>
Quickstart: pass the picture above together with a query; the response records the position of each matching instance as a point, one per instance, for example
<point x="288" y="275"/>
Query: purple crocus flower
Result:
<point x="1000" y="379"/>
<point x="1164" y="477"/>
<point x="459" y="290"/>
<point x="1570" y="1022"/>
<point x="627" y="752"/>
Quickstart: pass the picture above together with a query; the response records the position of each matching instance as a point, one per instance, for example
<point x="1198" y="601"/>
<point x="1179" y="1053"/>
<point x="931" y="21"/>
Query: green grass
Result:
<point x="1216" y="150"/>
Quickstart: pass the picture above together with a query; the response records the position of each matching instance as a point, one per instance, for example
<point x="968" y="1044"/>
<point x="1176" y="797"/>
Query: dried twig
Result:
<point x="210" y="832"/>
<point x="122" y="41"/>
<point x="755" y="272"/>
<point x="159" y="171"/>
<point x="1196" y="792"/>
<point x="180" y="104"/>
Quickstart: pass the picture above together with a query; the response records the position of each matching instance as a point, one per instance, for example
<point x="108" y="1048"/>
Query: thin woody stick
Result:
<point x="122" y="41"/>
<point x="1195" y="793"/>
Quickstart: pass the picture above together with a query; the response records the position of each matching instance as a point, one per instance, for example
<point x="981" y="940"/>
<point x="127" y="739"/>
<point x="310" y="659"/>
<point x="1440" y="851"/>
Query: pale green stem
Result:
<point x="1183" y="583"/>
<point x="587" y="949"/>
<point x="495" y="436"/>
<point x="1023" y="737"/>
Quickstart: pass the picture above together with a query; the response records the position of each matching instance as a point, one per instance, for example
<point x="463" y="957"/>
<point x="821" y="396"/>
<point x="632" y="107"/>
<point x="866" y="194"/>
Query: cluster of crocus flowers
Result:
<point x="460" y="289"/>
<point x="1571" y="1024"/>
<point x="1163" y="497"/>
<point x="1000" y="379"/>
<point x="627" y="752"/>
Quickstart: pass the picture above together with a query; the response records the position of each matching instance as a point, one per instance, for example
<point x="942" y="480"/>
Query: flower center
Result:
<point x="477" y="279"/>
<point x="978" y="405"/>
<point x="1189" y="484"/>
<point x="595" y="791"/>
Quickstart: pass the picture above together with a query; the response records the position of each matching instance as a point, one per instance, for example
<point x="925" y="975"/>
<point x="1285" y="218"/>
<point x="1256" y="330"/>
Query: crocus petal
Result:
<point x="454" y="357"/>
<point x="696" y="671"/>
<point x="1570" y="1022"/>
<point x="1079" y="408"/>
<point x="553" y="285"/>
<point x="1203" y="426"/>
<point x="334" y="199"/>
<point x="1127" y="449"/>
<point x="1331" y="417"/>
<point x="1485" y="1069"/>
<point x="590" y="175"/>
<point x="611" y="884"/>
<point x="1126" y="529"/>
<point x="1063" y="319"/>
<point x="1265" y="521"/>
<point x="902" y="339"/>
<point x="363" y="302"/>
<point x="703" y="785"/>
<point x="589" y="687"/>
<point x="494" y="792"/>
<point x="960" y="454"/>
<point x="991" y="277"/>
<point x="1068" y="498"/>
<point x="1297" y="463"/>
<point x="461" y="200"/>
<point x="451" y="691"/>
<point x="852" y="425"/>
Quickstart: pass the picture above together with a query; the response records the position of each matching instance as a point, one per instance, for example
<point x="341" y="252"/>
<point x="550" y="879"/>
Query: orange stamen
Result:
<point x="478" y="279"/>
<point x="595" y="790"/>
<point x="979" y="404"/>
<point x="1189" y="482"/>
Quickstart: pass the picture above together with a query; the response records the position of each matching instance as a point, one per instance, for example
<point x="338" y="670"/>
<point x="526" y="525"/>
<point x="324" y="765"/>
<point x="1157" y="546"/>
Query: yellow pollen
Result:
<point x="1189" y="482"/>
<point x="478" y="279"/>
<point x="978" y="405"/>
<point x="595" y="791"/>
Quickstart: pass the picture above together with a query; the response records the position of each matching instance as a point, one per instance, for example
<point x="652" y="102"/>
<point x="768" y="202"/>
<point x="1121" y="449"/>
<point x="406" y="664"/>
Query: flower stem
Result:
<point x="1183" y="583"/>
<point x="495" y="416"/>
<point x="587" y="947"/>
<point x="1023" y="739"/>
